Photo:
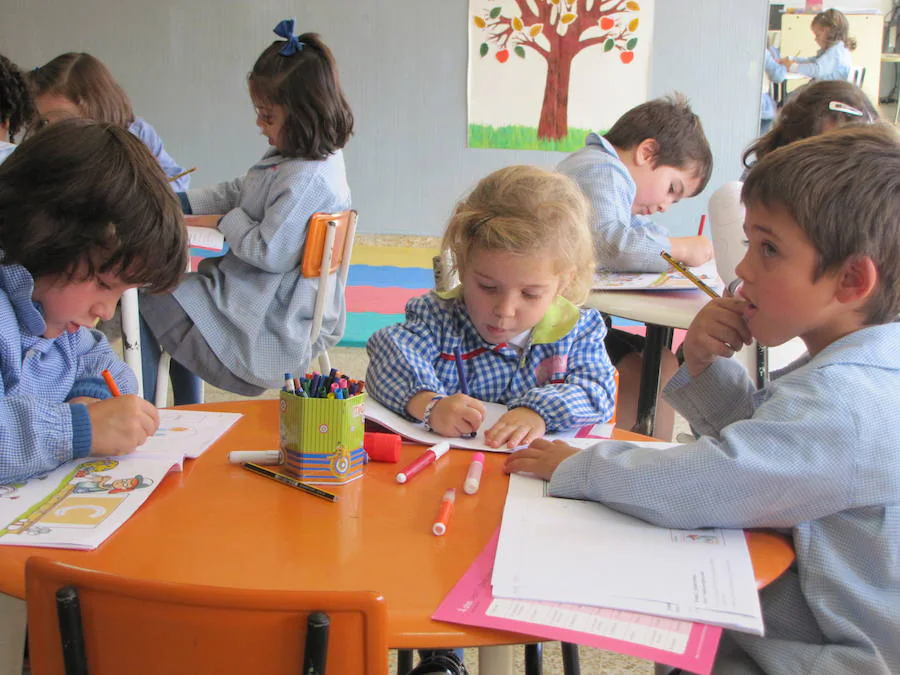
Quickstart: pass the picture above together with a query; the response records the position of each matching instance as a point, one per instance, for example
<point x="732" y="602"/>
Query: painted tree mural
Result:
<point x="557" y="31"/>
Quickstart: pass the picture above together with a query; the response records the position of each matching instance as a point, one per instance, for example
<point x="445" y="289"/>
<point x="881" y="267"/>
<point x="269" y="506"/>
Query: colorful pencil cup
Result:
<point x="322" y="438"/>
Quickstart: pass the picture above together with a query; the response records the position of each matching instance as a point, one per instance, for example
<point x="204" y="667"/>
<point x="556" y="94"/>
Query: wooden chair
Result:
<point x="327" y="251"/>
<point x="81" y="619"/>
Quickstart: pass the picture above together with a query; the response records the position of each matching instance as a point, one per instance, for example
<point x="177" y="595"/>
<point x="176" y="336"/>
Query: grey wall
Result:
<point x="403" y="65"/>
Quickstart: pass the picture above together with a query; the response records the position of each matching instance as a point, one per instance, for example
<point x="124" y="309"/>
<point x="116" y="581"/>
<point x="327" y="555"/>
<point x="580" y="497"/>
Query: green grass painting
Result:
<point x="523" y="138"/>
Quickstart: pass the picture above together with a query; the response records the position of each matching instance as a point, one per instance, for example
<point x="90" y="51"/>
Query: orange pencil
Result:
<point x="444" y="513"/>
<point x="111" y="383"/>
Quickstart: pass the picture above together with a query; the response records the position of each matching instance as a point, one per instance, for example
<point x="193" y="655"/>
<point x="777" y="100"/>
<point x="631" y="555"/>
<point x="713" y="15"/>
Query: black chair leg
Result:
<point x="71" y="631"/>
<point x="315" y="653"/>
<point x="404" y="661"/>
<point x="534" y="658"/>
<point x="571" y="664"/>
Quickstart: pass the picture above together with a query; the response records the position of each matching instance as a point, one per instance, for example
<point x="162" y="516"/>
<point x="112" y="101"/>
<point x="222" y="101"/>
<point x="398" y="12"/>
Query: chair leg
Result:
<point x="315" y="653"/>
<point x="571" y="664"/>
<point x="68" y="611"/>
<point x="534" y="658"/>
<point x="404" y="661"/>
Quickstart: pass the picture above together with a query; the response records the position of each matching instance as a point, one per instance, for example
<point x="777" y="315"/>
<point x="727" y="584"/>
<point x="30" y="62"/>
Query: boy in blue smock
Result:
<point x="814" y="452"/>
<point x="85" y="214"/>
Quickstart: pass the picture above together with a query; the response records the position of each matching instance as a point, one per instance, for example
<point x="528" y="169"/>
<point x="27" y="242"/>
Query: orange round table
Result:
<point x="219" y="524"/>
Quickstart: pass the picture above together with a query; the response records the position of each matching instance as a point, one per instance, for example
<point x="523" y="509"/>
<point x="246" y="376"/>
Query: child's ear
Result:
<point x="858" y="279"/>
<point x="645" y="152"/>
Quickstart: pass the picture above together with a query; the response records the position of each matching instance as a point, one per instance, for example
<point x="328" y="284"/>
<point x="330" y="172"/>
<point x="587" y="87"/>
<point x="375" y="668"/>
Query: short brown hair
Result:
<point x="837" y="28"/>
<point x="677" y="131"/>
<point x="527" y="210"/>
<point x="89" y="193"/>
<point x="843" y="189"/>
<point x="84" y="80"/>
<point x="319" y="120"/>
<point x="807" y="112"/>
<point x="16" y="106"/>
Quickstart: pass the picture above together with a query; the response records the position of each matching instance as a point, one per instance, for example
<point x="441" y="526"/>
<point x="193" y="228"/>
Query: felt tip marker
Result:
<point x="444" y="512"/>
<point x="256" y="456"/>
<point x="431" y="455"/>
<point x="473" y="477"/>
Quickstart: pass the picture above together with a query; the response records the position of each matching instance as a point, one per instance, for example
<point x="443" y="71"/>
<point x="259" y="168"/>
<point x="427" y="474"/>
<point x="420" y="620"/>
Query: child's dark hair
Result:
<point x="837" y="28"/>
<point x="675" y="128"/>
<point x="807" y="113"/>
<point x="318" y="118"/>
<point x="87" y="82"/>
<point x="16" y="105"/>
<point x="843" y="189"/>
<point x="83" y="195"/>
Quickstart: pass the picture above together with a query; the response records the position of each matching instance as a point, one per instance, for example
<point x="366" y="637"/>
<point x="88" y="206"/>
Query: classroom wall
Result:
<point x="184" y="64"/>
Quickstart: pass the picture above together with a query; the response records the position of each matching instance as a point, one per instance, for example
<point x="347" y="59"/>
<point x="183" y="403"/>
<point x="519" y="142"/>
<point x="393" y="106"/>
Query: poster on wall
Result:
<point x="544" y="73"/>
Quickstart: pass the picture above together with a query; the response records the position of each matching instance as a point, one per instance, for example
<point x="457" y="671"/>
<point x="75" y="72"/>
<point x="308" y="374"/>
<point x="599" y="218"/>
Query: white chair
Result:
<point x="329" y="244"/>
<point x="857" y="75"/>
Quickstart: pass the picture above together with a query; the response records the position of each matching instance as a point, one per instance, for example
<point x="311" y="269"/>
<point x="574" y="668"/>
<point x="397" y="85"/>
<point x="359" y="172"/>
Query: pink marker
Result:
<point x="431" y="455"/>
<point x="473" y="478"/>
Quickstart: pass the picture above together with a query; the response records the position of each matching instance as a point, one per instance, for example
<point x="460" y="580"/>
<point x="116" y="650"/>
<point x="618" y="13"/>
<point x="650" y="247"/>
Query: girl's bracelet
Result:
<point x="429" y="407"/>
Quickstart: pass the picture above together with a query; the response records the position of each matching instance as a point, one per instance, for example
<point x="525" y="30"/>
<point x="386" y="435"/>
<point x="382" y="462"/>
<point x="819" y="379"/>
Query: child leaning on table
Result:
<point x="814" y="451"/>
<point x="522" y="245"/>
<point x="85" y="213"/>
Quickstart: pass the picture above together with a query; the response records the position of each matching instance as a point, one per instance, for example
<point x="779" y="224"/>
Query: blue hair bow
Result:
<point x="285" y="29"/>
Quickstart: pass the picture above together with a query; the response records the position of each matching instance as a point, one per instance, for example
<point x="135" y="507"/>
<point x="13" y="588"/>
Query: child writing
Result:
<point x="832" y="62"/>
<point x="73" y="236"/>
<point x="810" y="451"/>
<point x="16" y="106"/>
<point x="80" y="85"/>
<point x="522" y="245"/>
<point x="244" y="319"/>
<point x="652" y="157"/>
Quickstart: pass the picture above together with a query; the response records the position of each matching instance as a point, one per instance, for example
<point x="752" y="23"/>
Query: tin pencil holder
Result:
<point x="322" y="438"/>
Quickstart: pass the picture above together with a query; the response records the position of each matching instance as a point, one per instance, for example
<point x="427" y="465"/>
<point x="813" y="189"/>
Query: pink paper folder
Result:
<point x="681" y="644"/>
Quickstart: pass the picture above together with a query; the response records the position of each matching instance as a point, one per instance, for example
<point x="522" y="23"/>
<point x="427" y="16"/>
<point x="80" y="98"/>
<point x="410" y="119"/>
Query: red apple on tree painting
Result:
<point x="557" y="31"/>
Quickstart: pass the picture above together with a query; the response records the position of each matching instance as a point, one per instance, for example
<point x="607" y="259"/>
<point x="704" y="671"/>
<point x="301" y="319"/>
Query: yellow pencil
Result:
<point x="689" y="275"/>
<point x="183" y="173"/>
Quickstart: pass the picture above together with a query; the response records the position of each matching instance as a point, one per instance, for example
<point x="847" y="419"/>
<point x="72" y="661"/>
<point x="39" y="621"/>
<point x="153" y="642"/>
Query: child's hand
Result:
<point x="517" y="427"/>
<point x="718" y="330"/>
<point x="692" y="251"/>
<point x="119" y="425"/>
<point x="540" y="458"/>
<point x="457" y="415"/>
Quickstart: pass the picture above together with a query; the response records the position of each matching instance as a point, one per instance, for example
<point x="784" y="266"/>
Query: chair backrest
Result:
<point x="857" y="75"/>
<point x="726" y="224"/>
<point x="148" y="627"/>
<point x="329" y="245"/>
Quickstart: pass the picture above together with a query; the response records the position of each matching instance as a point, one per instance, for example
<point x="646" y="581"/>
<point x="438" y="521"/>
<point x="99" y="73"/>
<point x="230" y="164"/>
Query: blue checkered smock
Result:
<point x="38" y="429"/>
<point x="253" y="306"/>
<point x="568" y="382"/>
<point x="815" y="453"/>
<point x="623" y="242"/>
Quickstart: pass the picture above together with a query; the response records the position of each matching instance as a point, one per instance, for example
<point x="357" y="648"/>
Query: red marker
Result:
<point x="702" y="223"/>
<point x="444" y="512"/>
<point x="432" y="454"/>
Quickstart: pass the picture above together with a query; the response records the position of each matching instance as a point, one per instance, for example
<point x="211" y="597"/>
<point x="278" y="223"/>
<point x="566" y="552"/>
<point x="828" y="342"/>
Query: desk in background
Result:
<point x="218" y="524"/>
<point x="661" y="311"/>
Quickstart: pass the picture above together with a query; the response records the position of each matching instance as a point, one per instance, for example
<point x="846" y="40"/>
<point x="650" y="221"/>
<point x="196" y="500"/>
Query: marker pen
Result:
<point x="256" y="456"/>
<point x="444" y="512"/>
<point x="432" y="454"/>
<point x="473" y="478"/>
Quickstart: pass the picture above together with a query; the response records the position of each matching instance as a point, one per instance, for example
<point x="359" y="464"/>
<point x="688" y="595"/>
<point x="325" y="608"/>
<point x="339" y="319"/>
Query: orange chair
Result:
<point x="79" y="618"/>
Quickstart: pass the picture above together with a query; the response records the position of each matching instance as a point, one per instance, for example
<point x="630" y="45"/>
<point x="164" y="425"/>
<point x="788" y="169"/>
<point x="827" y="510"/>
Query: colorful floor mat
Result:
<point x="383" y="278"/>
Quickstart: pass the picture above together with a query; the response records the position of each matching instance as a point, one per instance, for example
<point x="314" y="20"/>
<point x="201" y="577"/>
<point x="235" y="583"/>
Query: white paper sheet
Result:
<point x="563" y="550"/>
<point x="664" y="281"/>
<point x="205" y="237"/>
<point x="186" y="433"/>
<point x="415" y="431"/>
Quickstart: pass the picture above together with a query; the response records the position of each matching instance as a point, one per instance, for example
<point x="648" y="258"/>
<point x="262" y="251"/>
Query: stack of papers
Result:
<point x="81" y="503"/>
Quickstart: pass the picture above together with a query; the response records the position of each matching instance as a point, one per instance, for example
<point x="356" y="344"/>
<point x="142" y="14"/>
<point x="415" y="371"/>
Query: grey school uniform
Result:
<point x="252" y="306"/>
<point x="814" y="453"/>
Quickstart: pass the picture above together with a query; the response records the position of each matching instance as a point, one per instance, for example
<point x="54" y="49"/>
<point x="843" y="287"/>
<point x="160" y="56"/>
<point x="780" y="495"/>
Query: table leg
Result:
<point x="658" y="339"/>
<point x="496" y="660"/>
<point x="12" y="634"/>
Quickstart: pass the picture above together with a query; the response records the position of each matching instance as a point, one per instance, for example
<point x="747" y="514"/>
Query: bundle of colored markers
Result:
<point x="316" y="385"/>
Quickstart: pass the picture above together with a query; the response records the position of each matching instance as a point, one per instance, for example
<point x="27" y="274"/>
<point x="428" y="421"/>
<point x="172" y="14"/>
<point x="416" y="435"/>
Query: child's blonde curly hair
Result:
<point x="527" y="210"/>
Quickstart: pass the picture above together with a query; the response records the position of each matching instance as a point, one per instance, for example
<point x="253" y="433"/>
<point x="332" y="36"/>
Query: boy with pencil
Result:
<point x="85" y="213"/>
<point x="814" y="451"/>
